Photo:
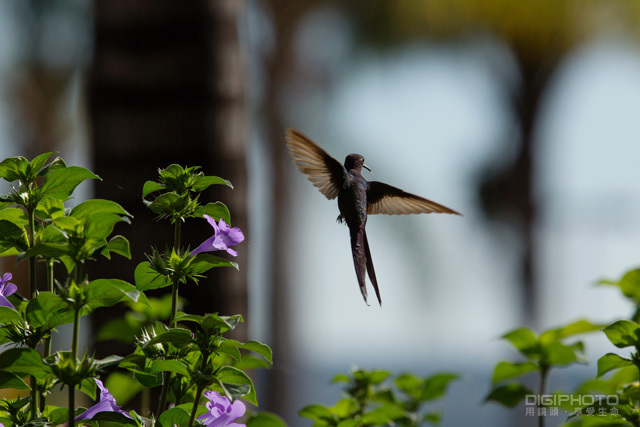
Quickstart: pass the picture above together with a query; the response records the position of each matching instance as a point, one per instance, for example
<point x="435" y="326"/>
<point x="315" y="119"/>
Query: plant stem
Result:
<point x="47" y="341"/>
<point x="72" y="405"/>
<point x="77" y="276"/>
<point x="32" y="260"/>
<point x="166" y="376"/>
<point x="74" y="342"/>
<point x="544" y="370"/>
<point x="33" y="293"/>
<point x="177" y="233"/>
<point x="174" y="303"/>
<point x="195" y="405"/>
<point x="34" y="398"/>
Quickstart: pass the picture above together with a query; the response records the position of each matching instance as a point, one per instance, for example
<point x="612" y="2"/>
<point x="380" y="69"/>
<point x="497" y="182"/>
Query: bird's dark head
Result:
<point x="355" y="161"/>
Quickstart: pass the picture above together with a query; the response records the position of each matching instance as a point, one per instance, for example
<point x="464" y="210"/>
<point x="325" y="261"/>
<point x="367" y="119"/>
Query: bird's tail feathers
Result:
<point x="359" y="257"/>
<point x="370" y="270"/>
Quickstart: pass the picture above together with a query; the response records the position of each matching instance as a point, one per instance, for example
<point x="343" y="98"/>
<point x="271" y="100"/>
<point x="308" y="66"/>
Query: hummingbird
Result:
<point x="357" y="198"/>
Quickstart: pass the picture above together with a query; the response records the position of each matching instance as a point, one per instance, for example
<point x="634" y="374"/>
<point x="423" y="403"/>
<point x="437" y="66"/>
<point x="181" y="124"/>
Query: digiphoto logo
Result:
<point x="588" y="404"/>
<point x="575" y="401"/>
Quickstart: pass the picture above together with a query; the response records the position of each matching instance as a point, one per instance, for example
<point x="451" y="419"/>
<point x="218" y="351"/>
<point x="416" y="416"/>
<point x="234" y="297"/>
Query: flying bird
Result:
<point x="357" y="197"/>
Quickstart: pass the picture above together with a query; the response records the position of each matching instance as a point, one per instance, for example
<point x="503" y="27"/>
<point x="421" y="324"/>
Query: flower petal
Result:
<point x="224" y="227"/>
<point x="9" y="289"/>
<point x="232" y="252"/>
<point x="211" y="221"/>
<point x="206" y="246"/>
<point x="235" y="235"/>
<point x="101" y="406"/>
<point x="5" y="302"/>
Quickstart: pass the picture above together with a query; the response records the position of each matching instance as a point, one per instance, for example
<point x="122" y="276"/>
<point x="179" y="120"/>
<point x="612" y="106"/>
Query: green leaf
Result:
<point x="175" y="336"/>
<point x="123" y="387"/>
<point x="623" y="333"/>
<point x="212" y="323"/>
<point x="344" y="408"/>
<point x="558" y="354"/>
<point x="508" y="395"/>
<point x="230" y="375"/>
<point x="508" y="370"/>
<point x="255" y="346"/>
<point x="265" y="419"/>
<point x="108" y="362"/>
<point x="433" y="418"/>
<point x="629" y="284"/>
<point x="48" y="311"/>
<point x="112" y="419"/>
<point x="109" y="292"/>
<point x="435" y="386"/>
<point x="14" y="168"/>
<point x="16" y="216"/>
<point x="611" y="361"/>
<point x="56" y="163"/>
<point x="376" y="377"/>
<point x="204" y="262"/>
<point x="11" y="380"/>
<point x="341" y="378"/>
<point x="203" y="182"/>
<point x="169" y="366"/>
<point x="147" y="278"/>
<point x="94" y="206"/>
<point x="119" y="245"/>
<point x="383" y="415"/>
<point x="173" y="417"/>
<point x="9" y="316"/>
<point x="524" y="340"/>
<point x="38" y="162"/>
<point x="10" y="235"/>
<point x="217" y="211"/>
<point x="410" y="384"/>
<point x="50" y="250"/>
<point x="348" y="423"/>
<point x="49" y="208"/>
<point x="24" y="361"/>
<point x="100" y="225"/>
<point x="60" y="183"/>
<point x="579" y="327"/>
<point x="168" y="203"/>
<point x="59" y="416"/>
<point x="150" y="187"/>
<point x="317" y="413"/>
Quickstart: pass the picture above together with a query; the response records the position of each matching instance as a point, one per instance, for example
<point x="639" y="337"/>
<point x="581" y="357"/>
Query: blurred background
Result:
<point x="521" y="115"/>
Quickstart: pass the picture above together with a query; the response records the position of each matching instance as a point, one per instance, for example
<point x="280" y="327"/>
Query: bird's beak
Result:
<point x="366" y="167"/>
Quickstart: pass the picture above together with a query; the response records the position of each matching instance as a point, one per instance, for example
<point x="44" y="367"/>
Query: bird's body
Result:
<point x="357" y="198"/>
<point x="352" y="203"/>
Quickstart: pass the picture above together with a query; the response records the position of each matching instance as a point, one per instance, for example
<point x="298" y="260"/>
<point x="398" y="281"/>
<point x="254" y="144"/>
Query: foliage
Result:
<point x="612" y="401"/>
<point x="370" y="401"/>
<point x="184" y="357"/>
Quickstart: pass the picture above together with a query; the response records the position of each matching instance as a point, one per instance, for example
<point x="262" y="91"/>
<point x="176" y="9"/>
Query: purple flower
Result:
<point x="107" y="403"/>
<point x="6" y="289"/>
<point x="222" y="413"/>
<point x="223" y="237"/>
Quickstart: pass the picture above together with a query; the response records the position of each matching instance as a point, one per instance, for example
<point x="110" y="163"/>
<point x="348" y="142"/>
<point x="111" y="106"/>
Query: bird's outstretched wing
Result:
<point x="385" y="199"/>
<point x="321" y="169"/>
